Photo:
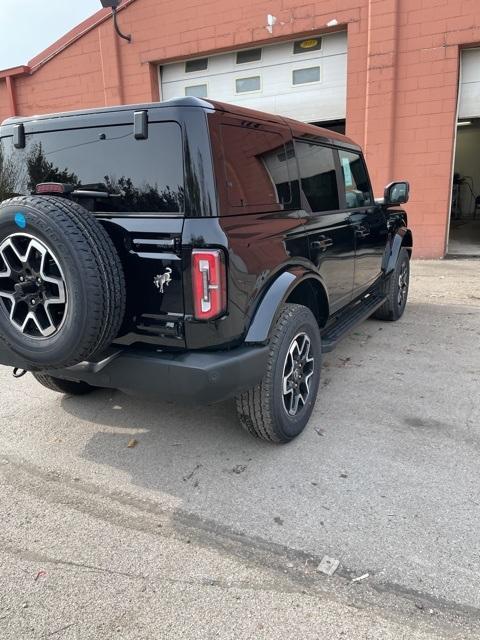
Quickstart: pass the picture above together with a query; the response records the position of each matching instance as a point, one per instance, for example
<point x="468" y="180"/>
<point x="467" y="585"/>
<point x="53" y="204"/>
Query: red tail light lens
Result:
<point x="53" y="187"/>
<point x="209" y="281"/>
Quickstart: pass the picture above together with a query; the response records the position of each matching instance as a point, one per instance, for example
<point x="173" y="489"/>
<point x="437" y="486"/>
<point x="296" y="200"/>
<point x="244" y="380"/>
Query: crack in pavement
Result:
<point x="295" y="569"/>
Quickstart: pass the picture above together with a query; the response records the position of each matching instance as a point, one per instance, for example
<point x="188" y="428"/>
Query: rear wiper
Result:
<point x="95" y="191"/>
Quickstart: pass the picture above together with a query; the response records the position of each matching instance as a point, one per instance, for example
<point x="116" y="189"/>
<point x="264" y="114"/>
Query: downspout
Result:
<point x="393" y="116"/>
<point x="12" y="103"/>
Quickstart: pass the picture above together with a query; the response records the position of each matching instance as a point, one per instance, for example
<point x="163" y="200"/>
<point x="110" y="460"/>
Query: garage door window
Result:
<point x="251" y="55"/>
<point x="200" y="64"/>
<point x="318" y="176"/>
<point x="304" y="76"/>
<point x="247" y="85"/>
<point x="197" y="91"/>
<point x="256" y="167"/>
<point x="307" y="45"/>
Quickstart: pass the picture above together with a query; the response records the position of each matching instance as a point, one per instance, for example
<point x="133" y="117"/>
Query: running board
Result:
<point x="348" y="319"/>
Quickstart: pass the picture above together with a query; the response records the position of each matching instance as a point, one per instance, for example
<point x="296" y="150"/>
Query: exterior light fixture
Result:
<point x="113" y="4"/>
<point x="464" y="123"/>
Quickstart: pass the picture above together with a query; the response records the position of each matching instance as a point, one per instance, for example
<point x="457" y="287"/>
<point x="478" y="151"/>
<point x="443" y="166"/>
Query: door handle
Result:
<point x="362" y="231"/>
<point x="322" y="244"/>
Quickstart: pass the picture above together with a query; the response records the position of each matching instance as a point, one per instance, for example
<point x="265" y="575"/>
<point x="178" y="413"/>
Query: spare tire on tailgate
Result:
<point x="62" y="288"/>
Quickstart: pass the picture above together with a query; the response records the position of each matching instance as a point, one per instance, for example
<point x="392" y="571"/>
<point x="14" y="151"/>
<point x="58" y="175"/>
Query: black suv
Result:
<point x="191" y="250"/>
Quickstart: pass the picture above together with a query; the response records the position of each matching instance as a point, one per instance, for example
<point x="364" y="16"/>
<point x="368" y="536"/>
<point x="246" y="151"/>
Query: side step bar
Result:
<point x="349" y="319"/>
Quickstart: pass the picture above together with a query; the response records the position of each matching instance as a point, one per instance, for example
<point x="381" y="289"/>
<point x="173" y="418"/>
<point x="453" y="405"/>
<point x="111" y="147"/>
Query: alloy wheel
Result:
<point x="297" y="372"/>
<point x="402" y="284"/>
<point x="32" y="286"/>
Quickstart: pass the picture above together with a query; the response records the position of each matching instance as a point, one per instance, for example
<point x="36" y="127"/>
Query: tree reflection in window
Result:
<point x="142" y="176"/>
<point x="145" y="198"/>
<point x="11" y="174"/>
<point x="41" y="170"/>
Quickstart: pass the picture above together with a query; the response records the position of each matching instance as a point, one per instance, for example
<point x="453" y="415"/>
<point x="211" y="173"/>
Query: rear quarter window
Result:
<point x="257" y="168"/>
<point x="143" y="176"/>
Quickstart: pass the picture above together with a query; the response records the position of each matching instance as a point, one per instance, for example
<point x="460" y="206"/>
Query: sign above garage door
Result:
<point x="469" y="106"/>
<point x="304" y="79"/>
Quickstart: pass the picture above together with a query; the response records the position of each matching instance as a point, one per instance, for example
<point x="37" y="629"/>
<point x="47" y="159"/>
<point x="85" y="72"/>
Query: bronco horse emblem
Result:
<point x="163" y="280"/>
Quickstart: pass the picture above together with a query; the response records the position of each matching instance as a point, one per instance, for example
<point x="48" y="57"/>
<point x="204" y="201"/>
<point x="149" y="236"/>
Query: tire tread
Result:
<point x="101" y="267"/>
<point x="252" y="405"/>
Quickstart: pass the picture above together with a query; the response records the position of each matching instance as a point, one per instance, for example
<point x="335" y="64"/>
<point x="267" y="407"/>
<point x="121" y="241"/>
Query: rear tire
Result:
<point x="396" y="290"/>
<point x="279" y="407"/>
<point x="69" y="387"/>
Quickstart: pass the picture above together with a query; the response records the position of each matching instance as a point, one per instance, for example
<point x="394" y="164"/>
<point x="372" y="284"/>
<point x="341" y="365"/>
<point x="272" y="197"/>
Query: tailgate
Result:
<point x="150" y="249"/>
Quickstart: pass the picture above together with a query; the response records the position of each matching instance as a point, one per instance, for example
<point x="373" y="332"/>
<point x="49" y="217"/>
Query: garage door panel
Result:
<point x="469" y="104"/>
<point x="323" y="99"/>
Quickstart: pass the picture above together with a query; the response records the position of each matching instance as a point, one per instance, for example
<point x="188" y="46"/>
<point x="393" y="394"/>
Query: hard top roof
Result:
<point x="300" y="129"/>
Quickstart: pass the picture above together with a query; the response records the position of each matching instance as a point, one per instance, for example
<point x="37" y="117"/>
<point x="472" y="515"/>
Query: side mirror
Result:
<point x="396" y="193"/>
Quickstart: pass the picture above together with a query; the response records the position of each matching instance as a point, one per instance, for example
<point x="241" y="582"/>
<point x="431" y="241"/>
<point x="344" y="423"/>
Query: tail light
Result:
<point x="209" y="282"/>
<point x="53" y="187"/>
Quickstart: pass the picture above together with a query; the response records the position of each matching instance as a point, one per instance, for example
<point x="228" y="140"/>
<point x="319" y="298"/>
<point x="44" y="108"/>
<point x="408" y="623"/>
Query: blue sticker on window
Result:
<point x="20" y="220"/>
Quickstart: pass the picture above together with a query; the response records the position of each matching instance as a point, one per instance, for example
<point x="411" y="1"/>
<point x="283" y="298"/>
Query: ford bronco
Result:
<point x="192" y="250"/>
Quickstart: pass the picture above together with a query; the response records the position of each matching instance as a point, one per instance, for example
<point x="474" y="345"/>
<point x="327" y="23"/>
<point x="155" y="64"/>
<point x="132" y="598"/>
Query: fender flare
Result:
<point x="402" y="238"/>
<point x="279" y="290"/>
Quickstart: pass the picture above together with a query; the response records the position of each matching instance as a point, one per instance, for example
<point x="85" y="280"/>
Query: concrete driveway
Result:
<point x="201" y="531"/>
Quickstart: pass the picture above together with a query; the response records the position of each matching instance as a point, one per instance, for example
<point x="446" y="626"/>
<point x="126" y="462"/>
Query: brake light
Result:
<point x="53" y="187"/>
<point x="209" y="282"/>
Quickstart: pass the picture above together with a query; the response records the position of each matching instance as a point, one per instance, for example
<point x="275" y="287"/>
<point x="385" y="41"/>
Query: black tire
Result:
<point x="396" y="290"/>
<point x="262" y="410"/>
<point x="93" y="280"/>
<point x="69" y="387"/>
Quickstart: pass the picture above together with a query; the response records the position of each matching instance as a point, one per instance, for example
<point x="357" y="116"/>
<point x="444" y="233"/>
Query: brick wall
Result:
<point x="403" y="60"/>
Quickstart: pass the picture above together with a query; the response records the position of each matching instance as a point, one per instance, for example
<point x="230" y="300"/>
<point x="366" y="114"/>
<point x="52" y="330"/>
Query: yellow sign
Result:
<point x="309" y="44"/>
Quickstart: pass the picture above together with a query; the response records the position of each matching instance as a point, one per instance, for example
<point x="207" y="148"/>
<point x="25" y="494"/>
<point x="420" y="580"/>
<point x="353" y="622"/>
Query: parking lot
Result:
<point x="100" y="538"/>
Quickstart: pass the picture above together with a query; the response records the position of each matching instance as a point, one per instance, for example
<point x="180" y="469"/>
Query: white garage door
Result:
<point x="470" y="84"/>
<point x="304" y="79"/>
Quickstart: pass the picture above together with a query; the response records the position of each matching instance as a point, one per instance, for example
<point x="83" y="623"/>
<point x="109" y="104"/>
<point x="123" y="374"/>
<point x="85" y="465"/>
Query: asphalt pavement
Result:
<point x="201" y="531"/>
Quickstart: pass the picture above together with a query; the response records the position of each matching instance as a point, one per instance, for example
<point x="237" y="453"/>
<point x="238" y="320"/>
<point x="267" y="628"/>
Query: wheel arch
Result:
<point x="296" y="285"/>
<point x="403" y="238"/>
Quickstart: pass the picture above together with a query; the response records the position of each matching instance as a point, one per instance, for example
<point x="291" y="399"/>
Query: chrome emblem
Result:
<point x="163" y="280"/>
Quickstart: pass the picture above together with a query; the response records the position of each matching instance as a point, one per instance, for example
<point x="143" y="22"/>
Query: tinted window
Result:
<point x="318" y="176"/>
<point x="145" y="175"/>
<point x="200" y="64"/>
<point x="355" y="179"/>
<point x="251" y="55"/>
<point x="256" y="167"/>
<point x="309" y="44"/>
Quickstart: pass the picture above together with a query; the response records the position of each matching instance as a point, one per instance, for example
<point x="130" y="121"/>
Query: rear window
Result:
<point x="142" y="176"/>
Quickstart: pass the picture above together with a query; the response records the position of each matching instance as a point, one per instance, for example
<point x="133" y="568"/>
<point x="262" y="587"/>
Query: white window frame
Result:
<point x="199" y="84"/>
<point x="242" y="93"/>
<point x="306" y="84"/>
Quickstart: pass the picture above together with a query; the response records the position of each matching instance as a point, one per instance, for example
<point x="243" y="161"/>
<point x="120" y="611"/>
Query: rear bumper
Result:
<point x="192" y="376"/>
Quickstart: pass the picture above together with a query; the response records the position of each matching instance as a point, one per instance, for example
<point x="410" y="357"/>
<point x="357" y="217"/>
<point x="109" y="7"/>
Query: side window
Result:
<point x="256" y="167"/>
<point x="318" y="176"/>
<point x="355" y="178"/>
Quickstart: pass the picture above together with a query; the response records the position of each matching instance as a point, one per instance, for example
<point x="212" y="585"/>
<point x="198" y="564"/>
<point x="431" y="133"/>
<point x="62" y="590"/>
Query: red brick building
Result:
<point x="401" y="80"/>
